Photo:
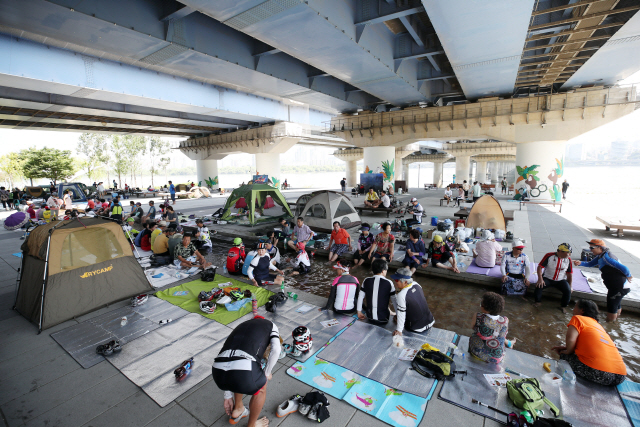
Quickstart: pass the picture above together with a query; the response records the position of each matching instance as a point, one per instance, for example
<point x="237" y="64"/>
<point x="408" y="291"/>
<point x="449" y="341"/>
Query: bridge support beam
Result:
<point x="268" y="164"/>
<point x="481" y="172"/>
<point x="437" y="173"/>
<point x="463" y="164"/>
<point x="352" y="173"/>
<point x="381" y="160"/>
<point x="545" y="158"/>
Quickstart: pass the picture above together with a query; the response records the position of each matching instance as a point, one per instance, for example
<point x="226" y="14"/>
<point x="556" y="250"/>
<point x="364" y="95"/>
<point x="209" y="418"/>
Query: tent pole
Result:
<point x="44" y="280"/>
<point x="131" y="241"/>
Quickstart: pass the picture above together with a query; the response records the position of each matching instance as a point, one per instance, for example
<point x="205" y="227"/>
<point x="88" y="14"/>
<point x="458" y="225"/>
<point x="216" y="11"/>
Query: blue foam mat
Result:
<point x="630" y="394"/>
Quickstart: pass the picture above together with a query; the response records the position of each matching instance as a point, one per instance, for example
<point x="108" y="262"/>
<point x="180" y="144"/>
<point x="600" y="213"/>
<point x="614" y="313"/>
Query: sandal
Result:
<point x="244" y="414"/>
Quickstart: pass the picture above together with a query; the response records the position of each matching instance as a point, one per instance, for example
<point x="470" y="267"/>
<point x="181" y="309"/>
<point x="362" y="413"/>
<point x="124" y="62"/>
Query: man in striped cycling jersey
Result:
<point x="558" y="273"/>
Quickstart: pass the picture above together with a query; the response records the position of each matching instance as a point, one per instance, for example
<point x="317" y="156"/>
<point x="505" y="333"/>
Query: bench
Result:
<point x="464" y="213"/>
<point x="453" y="200"/>
<point x="430" y="187"/>
<point x="541" y="202"/>
<point x="374" y="210"/>
<point x="619" y="224"/>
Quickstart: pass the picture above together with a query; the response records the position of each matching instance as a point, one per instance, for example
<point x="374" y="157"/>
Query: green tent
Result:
<point x="255" y="193"/>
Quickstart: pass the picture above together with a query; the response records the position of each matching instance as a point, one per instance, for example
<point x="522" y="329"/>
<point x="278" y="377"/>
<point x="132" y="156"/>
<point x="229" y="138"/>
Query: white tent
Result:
<point x="326" y="207"/>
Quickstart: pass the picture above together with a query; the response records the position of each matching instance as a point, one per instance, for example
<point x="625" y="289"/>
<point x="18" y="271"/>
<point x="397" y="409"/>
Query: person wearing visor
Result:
<point x="439" y="254"/>
<point x="365" y="241"/>
<point x="515" y="270"/>
<point x="558" y="273"/>
<point x="412" y="310"/>
<point x="260" y="266"/>
<point x="614" y="276"/>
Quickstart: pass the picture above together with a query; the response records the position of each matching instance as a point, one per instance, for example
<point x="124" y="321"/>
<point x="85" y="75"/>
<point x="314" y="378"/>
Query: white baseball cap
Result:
<point x="413" y="199"/>
<point x="518" y="244"/>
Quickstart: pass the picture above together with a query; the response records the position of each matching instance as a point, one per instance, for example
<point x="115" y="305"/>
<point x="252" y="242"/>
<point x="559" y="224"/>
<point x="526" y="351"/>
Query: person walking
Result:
<point x="172" y="191"/>
<point x="4" y="198"/>
<point x="565" y="187"/>
<point x="503" y="184"/>
<point x="343" y="184"/>
<point x="614" y="275"/>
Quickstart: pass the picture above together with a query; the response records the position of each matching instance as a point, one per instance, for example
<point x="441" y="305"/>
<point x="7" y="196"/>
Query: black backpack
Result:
<point x="208" y="275"/>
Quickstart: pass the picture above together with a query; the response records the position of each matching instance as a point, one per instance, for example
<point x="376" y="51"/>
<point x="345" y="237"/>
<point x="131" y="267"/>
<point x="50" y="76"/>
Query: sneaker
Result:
<point x="288" y="406"/>
<point x="313" y="414"/>
<point x="304" y="408"/>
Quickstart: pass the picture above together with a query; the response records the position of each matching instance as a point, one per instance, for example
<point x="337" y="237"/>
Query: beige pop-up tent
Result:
<point x="73" y="267"/>
<point x="487" y="213"/>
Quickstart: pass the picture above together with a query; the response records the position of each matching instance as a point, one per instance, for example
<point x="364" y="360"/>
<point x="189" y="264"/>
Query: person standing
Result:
<point x="558" y="273"/>
<point x="100" y="189"/>
<point x="503" y="184"/>
<point x="237" y="370"/>
<point x="413" y="312"/>
<point x="4" y="198"/>
<point x="565" y="187"/>
<point x="477" y="191"/>
<point x="343" y="184"/>
<point x="339" y="242"/>
<point x="115" y="185"/>
<point x="67" y="200"/>
<point x="466" y="187"/>
<point x="614" y="276"/>
<point x="54" y="205"/>
<point x="172" y="192"/>
<point x="377" y="291"/>
<point x="301" y="234"/>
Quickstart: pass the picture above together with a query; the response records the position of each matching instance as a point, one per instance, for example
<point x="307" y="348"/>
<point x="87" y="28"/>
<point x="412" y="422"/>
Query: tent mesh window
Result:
<point x="317" y="211"/>
<point x="343" y="209"/>
<point x="87" y="247"/>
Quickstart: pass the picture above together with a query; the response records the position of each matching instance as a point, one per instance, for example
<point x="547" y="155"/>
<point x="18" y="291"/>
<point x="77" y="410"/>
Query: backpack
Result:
<point x="526" y="394"/>
<point x="435" y="364"/>
<point x="3" y="196"/>
<point x="208" y="275"/>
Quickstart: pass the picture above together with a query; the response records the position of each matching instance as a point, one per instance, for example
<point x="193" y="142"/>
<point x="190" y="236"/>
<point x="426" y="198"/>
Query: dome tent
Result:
<point x="70" y="268"/>
<point x="255" y="195"/>
<point x="326" y="207"/>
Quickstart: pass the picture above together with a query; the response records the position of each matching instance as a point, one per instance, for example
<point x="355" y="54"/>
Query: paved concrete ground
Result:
<point x="41" y="385"/>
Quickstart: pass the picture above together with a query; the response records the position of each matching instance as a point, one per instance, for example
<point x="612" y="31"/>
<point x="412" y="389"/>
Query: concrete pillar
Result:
<point x="398" y="169"/>
<point x="437" y="174"/>
<point x="405" y="174"/>
<point x="462" y="168"/>
<point x="544" y="157"/>
<point x="494" y="173"/>
<point x="471" y="174"/>
<point x="269" y="164"/>
<point x="207" y="173"/>
<point x="481" y="172"/>
<point x="352" y="173"/>
<point x="381" y="160"/>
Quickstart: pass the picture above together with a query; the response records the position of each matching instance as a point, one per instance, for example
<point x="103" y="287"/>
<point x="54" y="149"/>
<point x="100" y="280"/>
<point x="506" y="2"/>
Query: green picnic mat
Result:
<point x="185" y="296"/>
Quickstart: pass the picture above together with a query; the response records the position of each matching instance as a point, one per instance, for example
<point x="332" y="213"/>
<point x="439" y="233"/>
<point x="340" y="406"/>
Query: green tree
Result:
<point x="119" y="159"/>
<point x="49" y="163"/>
<point x="135" y="148"/>
<point x="11" y="165"/>
<point x="94" y="147"/>
<point x="157" y="148"/>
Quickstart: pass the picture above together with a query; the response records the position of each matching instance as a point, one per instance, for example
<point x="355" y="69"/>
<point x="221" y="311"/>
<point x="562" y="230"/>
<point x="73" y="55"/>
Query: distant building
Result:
<point x="620" y="150"/>
<point x="574" y="152"/>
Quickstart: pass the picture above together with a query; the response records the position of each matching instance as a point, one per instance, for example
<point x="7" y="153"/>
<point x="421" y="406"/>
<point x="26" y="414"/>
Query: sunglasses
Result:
<point x="592" y="247"/>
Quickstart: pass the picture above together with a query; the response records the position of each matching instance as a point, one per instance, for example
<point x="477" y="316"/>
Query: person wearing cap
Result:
<point x="417" y="210"/>
<point x="187" y="254"/>
<point x="339" y="242"/>
<point x="486" y="250"/>
<point x="415" y="251"/>
<point x="162" y="225"/>
<point x="236" y="257"/>
<point x="558" y="273"/>
<point x="372" y="200"/>
<point x="383" y="244"/>
<point x="412" y="310"/>
<point x="259" y="269"/>
<point x="365" y="241"/>
<point x="203" y="237"/>
<point x="344" y="291"/>
<point x="377" y="291"/>
<point x="515" y="270"/>
<point x="439" y="254"/>
<point x="614" y="276"/>
<point x="161" y="243"/>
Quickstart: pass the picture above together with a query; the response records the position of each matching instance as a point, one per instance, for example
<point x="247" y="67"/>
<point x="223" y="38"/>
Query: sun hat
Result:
<point x="403" y="273"/>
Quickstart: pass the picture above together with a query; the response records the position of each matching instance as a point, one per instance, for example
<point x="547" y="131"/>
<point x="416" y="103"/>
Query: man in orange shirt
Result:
<point x="339" y="243"/>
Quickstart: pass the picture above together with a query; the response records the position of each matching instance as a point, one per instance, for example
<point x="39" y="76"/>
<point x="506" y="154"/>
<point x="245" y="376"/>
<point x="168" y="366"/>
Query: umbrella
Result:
<point x="16" y="220"/>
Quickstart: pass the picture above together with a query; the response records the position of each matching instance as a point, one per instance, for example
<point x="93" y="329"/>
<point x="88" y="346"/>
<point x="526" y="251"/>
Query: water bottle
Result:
<point x="292" y="295"/>
<point x="224" y="269"/>
<point x="123" y="321"/>
<point x="282" y="287"/>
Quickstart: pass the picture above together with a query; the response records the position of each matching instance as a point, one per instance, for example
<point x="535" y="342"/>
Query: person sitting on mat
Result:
<point x="378" y="291"/>
<point x="273" y="252"/>
<point x="415" y="251"/>
<point x="558" y="273"/>
<point x="301" y="263"/>
<point x="490" y="330"/>
<point x="344" y="291"/>
<point x="161" y="244"/>
<point x="515" y="270"/>
<point x="259" y="269"/>
<point x="365" y="241"/>
<point x="237" y="371"/>
<point x="187" y="254"/>
<point x="486" y="250"/>
<point x="454" y="243"/>
<point x="145" y="241"/>
<point x="439" y="254"/>
<point x="339" y="242"/>
<point x="413" y="312"/>
<point x="589" y="349"/>
<point x="383" y="244"/>
<point x="236" y="257"/>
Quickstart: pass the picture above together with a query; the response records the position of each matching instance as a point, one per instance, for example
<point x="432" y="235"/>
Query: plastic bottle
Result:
<point x="292" y="295"/>
<point x="282" y="287"/>
<point x="123" y="321"/>
<point x="224" y="269"/>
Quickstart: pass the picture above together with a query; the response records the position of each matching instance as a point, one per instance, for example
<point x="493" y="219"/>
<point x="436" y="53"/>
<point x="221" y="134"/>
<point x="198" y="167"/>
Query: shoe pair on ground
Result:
<point x="293" y="404"/>
<point x="109" y="348"/>
<point x="513" y="420"/>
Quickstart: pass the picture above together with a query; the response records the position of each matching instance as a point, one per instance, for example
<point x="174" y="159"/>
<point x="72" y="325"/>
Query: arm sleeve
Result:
<point x="360" y="299"/>
<point x="503" y="265"/>
<point x="527" y="269"/>
<point x="332" y="298"/>
<point x="228" y="394"/>
<point x="254" y="263"/>
<point x="591" y="263"/>
<point x="401" y="310"/>
<point x="276" y="348"/>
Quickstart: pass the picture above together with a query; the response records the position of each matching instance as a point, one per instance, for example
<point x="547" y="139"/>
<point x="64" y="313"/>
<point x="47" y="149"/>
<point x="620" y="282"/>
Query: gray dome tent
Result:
<point x="326" y="207"/>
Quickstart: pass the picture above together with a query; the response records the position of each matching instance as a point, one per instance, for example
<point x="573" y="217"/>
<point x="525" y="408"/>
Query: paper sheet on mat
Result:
<point x="149" y="361"/>
<point x="169" y="274"/>
<point x="367" y="350"/>
<point x="580" y="404"/>
<point x="81" y="340"/>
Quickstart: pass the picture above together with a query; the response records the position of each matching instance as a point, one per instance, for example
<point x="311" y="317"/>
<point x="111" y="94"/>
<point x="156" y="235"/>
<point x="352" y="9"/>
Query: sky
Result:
<point x="627" y="127"/>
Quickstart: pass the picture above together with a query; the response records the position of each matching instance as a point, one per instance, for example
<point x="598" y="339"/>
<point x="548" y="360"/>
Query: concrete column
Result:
<point x="381" y="160"/>
<point x="494" y="173"/>
<point x="471" y="174"/>
<point x="269" y="164"/>
<point x="543" y="154"/>
<point x="352" y="173"/>
<point x="398" y="169"/>
<point x="207" y="173"/>
<point x="405" y="174"/>
<point x="462" y="168"/>
<point x="481" y="172"/>
<point x="437" y="174"/>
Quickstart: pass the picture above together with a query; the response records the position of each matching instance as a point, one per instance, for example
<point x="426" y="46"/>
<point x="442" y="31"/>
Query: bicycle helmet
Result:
<point x="237" y="241"/>
<point x="139" y="300"/>
<point x="247" y="294"/>
<point x="303" y="346"/>
<point x="216" y="293"/>
<point x="565" y="247"/>
<point x="207" y="306"/>
<point x="301" y="334"/>
<point x="236" y="295"/>
<point x="205" y="296"/>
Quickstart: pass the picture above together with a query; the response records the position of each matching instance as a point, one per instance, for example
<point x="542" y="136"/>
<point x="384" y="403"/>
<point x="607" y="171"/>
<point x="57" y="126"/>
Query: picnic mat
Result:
<point x="150" y="360"/>
<point x="168" y="274"/>
<point x="140" y="254"/>
<point x="387" y="404"/>
<point x="296" y="313"/>
<point x="630" y="394"/>
<point x="185" y="296"/>
<point x="367" y="350"/>
<point x="582" y="403"/>
<point x="81" y="340"/>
